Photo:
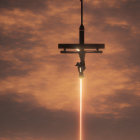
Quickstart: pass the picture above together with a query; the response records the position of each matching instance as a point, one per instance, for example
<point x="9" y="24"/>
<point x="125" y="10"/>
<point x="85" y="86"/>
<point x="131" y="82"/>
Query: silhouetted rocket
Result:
<point x="81" y="48"/>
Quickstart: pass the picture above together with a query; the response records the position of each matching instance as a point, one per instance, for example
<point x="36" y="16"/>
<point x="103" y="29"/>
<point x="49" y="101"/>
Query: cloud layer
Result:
<point x="38" y="83"/>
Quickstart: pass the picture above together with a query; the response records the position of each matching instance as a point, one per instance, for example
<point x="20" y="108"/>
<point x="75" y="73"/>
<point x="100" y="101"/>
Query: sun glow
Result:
<point x="80" y="108"/>
<point x="78" y="50"/>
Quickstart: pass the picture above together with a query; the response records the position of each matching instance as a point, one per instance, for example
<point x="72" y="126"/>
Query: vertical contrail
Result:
<point x="80" y="108"/>
<point x="81" y="49"/>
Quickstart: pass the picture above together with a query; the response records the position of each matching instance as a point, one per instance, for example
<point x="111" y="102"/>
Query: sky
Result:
<point x="39" y="87"/>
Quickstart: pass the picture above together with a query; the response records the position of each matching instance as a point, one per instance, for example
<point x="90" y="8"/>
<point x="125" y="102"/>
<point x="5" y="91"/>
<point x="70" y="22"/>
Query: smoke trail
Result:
<point x="80" y="108"/>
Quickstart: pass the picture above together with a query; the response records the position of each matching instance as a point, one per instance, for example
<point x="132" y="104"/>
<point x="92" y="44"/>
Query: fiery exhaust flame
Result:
<point x="80" y="108"/>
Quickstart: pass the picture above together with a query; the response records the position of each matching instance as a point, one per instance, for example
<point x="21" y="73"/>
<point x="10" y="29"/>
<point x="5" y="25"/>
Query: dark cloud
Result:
<point x="124" y="96"/>
<point x="120" y="104"/>
<point x="12" y="45"/>
<point x="107" y="127"/>
<point x="8" y="68"/>
<point x="120" y="29"/>
<point x="20" y="38"/>
<point x="128" y="10"/>
<point x="29" y="119"/>
<point x="33" y="5"/>
<point x="26" y="118"/>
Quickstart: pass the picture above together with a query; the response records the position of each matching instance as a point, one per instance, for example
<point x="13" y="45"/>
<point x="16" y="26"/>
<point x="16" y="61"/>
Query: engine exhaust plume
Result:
<point x="81" y="108"/>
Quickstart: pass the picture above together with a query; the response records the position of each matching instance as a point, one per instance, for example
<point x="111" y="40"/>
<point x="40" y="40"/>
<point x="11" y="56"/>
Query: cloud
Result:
<point x="26" y="119"/>
<point x="7" y="69"/>
<point x="39" y="92"/>
<point x="33" y="5"/>
<point x="34" y="66"/>
<point x="108" y="129"/>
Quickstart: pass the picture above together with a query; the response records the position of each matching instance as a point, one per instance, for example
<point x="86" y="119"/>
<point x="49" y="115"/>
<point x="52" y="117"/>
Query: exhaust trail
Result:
<point x="81" y="108"/>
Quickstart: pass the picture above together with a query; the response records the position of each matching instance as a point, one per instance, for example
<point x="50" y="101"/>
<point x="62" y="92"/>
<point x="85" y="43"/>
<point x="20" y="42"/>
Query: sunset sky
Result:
<point x="39" y="87"/>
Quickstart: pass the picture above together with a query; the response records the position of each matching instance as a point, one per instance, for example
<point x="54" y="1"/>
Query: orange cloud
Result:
<point x="51" y="77"/>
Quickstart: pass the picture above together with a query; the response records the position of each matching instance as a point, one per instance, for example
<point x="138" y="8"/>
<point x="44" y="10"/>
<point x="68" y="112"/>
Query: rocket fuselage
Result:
<point x="81" y="34"/>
